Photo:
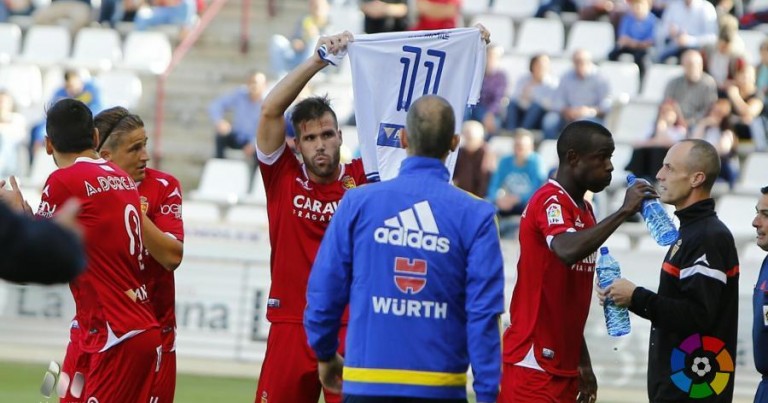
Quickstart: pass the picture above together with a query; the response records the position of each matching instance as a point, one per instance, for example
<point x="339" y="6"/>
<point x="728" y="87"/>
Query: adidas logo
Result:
<point x="415" y="228"/>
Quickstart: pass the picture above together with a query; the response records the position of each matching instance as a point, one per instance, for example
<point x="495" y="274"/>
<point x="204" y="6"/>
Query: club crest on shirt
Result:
<point x="348" y="182"/>
<point x="304" y="183"/>
<point x="675" y="248"/>
<point x="555" y="214"/>
<point x="144" y="204"/>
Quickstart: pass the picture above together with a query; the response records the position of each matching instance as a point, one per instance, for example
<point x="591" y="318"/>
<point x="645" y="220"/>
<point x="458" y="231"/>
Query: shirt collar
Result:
<point x="425" y="166"/>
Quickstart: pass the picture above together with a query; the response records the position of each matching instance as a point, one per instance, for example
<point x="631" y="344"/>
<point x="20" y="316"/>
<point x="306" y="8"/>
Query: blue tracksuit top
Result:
<point x="419" y="262"/>
<point x="760" y="322"/>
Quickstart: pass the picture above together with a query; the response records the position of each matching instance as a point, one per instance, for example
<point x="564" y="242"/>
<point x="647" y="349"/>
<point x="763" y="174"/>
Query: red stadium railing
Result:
<point x="178" y="55"/>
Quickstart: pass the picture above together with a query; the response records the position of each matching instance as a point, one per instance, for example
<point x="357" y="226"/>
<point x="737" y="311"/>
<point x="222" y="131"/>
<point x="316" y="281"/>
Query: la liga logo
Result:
<point x="701" y="366"/>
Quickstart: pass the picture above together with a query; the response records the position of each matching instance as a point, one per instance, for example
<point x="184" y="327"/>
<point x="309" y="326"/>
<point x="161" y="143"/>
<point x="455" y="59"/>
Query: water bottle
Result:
<point x="616" y="318"/>
<point x="660" y="225"/>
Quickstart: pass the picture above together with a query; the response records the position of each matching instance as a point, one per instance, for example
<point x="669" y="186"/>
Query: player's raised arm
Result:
<point x="271" y="132"/>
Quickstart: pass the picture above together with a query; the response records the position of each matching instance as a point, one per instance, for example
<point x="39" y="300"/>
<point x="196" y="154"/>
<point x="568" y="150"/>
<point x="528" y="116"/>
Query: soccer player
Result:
<point x="545" y="354"/>
<point x="419" y="262"/>
<point x="760" y="299"/>
<point x="301" y="199"/>
<point x="123" y="141"/>
<point x="115" y="327"/>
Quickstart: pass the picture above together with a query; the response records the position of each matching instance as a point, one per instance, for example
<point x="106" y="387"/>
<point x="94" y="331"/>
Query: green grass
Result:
<point x="20" y="383"/>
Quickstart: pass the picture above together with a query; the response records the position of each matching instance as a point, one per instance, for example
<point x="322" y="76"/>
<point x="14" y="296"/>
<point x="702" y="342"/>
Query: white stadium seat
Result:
<point x="10" y="41"/>
<point x="517" y="9"/>
<point x="754" y="174"/>
<point x="24" y="83"/>
<point x="223" y="181"/>
<point x="200" y="212"/>
<point x="247" y="216"/>
<point x="534" y="31"/>
<point x="737" y="212"/>
<point x="752" y="40"/>
<point x="623" y="78"/>
<point x="147" y="51"/>
<point x="655" y="81"/>
<point x="46" y="45"/>
<point x="501" y="27"/>
<point x="96" y="49"/>
<point x="119" y="88"/>
<point x="634" y="122"/>
<point x="596" y="37"/>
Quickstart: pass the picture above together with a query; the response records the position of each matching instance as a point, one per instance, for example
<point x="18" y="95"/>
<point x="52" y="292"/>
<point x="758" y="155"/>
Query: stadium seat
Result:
<point x="737" y="212"/>
<point x="501" y="27"/>
<point x="199" y="212"/>
<point x="257" y="194"/>
<point x="223" y="181"/>
<point x="757" y="5"/>
<point x="655" y="81"/>
<point x="623" y="78"/>
<point x="119" y="88"/>
<point x="96" y="49"/>
<point x="754" y="174"/>
<point x="515" y="66"/>
<point x="621" y="157"/>
<point x="10" y="42"/>
<point x="247" y="216"/>
<point x="634" y="122"/>
<point x="752" y="40"/>
<point x="46" y="45"/>
<point x="517" y="9"/>
<point x="597" y="37"/>
<point x="474" y="7"/>
<point x="530" y="38"/>
<point x="501" y="146"/>
<point x="347" y="18"/>
<point x="42" y="166"/>
<point x="24" y="83"/>
<point x="147" y="51"/>
<point x="350" y="139"/>
<point x="548" y="153"/>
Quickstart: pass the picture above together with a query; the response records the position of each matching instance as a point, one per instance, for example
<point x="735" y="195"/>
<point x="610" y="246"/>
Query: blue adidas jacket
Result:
<point x="419" y="262"/>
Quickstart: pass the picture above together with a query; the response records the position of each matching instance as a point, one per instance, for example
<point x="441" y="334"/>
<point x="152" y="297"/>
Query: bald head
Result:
<point x="693" y="65"/>
<point x="430" y="126"/>
<point x="702" y="157"/>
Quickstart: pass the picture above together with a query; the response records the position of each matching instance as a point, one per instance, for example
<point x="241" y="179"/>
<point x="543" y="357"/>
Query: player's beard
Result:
<point x="325" y="170"/>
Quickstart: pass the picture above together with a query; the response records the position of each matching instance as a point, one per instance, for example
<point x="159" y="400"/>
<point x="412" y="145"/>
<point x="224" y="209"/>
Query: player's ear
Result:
<point x="104" y="153"/>
<point x="455" y="142"/>
<point x="48" y="146"/>
<point x="403" y="138"/>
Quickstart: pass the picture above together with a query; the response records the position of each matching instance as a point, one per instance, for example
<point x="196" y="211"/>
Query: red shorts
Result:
<point x="73" y="369"/>
<point x="164" y="387"/>
<point x="289" y="370"/>
<point x="526" y="385"/>
<point x="125" y="372"/>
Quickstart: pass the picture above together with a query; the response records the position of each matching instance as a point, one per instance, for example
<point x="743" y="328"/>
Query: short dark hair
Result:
<point x="577" y="136"/>
<point x="533" y="60"/>
<point x="69" y="124"/>
<point x="431" y="125"/>
<point x="310" y="109"/>
<point x="764" y="190"/>
<point x="71" y="73"/>
<point x="112" y="123"/>
<point x="704" y="157"/>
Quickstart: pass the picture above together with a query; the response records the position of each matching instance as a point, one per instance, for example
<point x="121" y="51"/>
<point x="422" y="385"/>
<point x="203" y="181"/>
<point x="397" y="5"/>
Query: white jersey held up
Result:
<point x="391" y="70"/>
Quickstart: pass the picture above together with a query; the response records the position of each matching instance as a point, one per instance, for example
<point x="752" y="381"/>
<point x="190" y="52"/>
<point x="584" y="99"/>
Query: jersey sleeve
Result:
<point x="554" y="215"/>
<point x="55" y="193"/>
<point x="168" y="217"/>
<point x="270" y="165"/>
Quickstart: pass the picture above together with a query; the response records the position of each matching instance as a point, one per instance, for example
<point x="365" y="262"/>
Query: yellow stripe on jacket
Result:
<point x="404" y="377"/>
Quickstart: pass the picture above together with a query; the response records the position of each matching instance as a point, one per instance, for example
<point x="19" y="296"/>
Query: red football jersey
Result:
<point x="111" y="300"/>
<point x="551" y="300"/>
<point x="160" y="195"/>
<point x="299" y="211"/>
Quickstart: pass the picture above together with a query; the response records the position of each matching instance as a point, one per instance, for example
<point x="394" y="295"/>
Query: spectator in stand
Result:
<point x="488" y="109"/>
<point x="244" y="103"/>
<point x="166" y="12"/>
<point x="636" y="33"/>
<point x="648" y="154"/>
<point x="747" y="106"/>
<point x="75" y="87"/>
<point x="685" y="24"/>
<point x="762" y="72"/>
<point x="532" y="96"/>
<point x="475" y="162"/>
<point x="583" y="94"/>
<point x="517" y="177"/>
<point x="695" y="91"/>
<point x="284" y="53"/>
<point x="716" y="129"/>
<point x="384" y="15"/>
<point x="437" y="14"/>
<point x="77" y="13"/>
<point x="13" y="129"/>
<point x="556" y="7"/>
<point x="721" y="60"/>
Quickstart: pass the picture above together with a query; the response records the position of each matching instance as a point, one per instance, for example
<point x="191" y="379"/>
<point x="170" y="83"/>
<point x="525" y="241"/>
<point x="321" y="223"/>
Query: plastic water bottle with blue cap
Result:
<point x="616" y="318"/>
<point x="660" y="225"/>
